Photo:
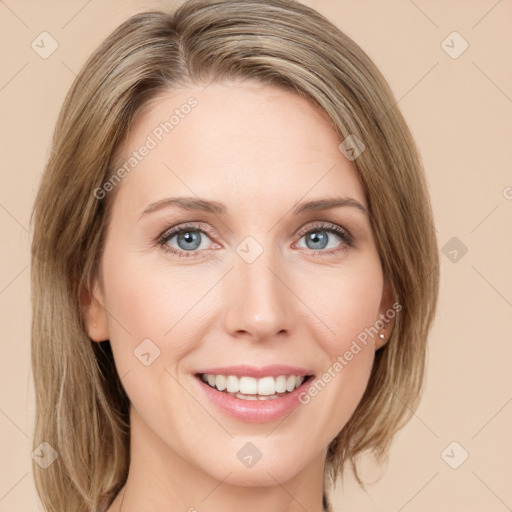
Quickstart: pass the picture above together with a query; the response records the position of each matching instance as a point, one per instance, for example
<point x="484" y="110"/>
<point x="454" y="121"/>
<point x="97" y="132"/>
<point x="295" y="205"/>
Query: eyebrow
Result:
<point x="214" y="207"/>
<point x="187" y="203"/>
<point x="326" y="204"/>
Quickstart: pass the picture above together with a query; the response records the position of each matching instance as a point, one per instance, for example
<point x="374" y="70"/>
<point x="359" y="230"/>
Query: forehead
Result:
<point x="237" y="142"/>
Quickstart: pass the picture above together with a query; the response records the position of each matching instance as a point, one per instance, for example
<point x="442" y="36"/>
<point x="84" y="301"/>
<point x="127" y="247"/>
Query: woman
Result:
<point x="235" y="267"/>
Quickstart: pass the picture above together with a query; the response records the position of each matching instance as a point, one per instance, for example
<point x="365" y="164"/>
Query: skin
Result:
<point x="259" y="150"/>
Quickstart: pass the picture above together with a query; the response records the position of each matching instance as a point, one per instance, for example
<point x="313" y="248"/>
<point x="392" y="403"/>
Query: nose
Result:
<point x="259" y="303"/>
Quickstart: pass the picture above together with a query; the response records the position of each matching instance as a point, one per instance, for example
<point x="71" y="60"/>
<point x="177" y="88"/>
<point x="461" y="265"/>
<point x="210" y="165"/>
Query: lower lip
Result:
<point x="255" y="410"/>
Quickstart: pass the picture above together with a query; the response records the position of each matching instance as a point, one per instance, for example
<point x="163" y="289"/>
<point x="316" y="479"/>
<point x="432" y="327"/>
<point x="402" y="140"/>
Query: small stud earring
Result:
<point x="381" y="336"/>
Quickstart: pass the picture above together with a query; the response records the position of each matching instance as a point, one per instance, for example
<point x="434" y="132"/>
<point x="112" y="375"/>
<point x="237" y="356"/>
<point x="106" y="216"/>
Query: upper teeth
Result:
<point x="253" y="386"/>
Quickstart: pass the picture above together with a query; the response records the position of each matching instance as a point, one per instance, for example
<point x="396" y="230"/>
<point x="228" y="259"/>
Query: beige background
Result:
<point x="459" y="110"/>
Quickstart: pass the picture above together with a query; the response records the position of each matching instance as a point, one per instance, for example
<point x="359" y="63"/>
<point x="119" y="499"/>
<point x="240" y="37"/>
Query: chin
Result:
<point x="269" y="464"/>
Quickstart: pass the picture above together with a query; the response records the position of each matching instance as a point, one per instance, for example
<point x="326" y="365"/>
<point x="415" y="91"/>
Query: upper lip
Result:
<point x="273" y="370"/>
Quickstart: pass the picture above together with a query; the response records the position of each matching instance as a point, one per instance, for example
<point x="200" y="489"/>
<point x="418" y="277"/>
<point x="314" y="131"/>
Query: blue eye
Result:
<point x="191" y="240"/>
<point x="320" y="237"/>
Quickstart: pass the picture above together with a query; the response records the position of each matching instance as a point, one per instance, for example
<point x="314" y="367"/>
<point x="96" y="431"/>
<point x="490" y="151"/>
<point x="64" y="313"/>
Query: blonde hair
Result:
<point x="81" y="406"/>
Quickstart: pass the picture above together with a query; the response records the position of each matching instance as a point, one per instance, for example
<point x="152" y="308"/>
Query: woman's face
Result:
<point x="258" y="277"/>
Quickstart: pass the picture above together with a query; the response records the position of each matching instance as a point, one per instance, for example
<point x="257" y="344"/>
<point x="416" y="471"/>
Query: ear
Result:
<point x="91" y="301"/>
<point x="387" y="312"/>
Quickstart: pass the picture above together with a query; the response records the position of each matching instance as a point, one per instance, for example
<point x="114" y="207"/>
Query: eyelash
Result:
<point x="346" y="237"/>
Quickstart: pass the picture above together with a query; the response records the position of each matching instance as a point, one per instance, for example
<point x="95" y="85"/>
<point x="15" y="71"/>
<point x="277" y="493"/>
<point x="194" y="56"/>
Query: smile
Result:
<point x="251" y="388"/>
<point x="254" y="399"/>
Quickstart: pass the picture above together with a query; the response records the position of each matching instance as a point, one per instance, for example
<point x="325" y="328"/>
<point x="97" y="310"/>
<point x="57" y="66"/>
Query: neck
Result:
<point x="159" y="476"/>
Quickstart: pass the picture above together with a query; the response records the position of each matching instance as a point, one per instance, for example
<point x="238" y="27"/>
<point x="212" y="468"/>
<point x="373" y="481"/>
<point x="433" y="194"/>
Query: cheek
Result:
<point x="149" y="300"/>
<point x="149" y="310"/>
<point x="348" y="304"/>
<point x="350" y="312"/>
<point x="348" y="307"/>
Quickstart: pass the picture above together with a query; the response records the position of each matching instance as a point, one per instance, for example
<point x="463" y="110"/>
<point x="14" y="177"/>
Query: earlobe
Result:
<point x="387" y="313"/>
<point x="94" y="314"/>
<point x="380" y="341"/>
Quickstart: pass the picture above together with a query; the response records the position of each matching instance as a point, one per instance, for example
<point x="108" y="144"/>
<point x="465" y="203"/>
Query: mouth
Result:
<point x="251" y="388"/>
